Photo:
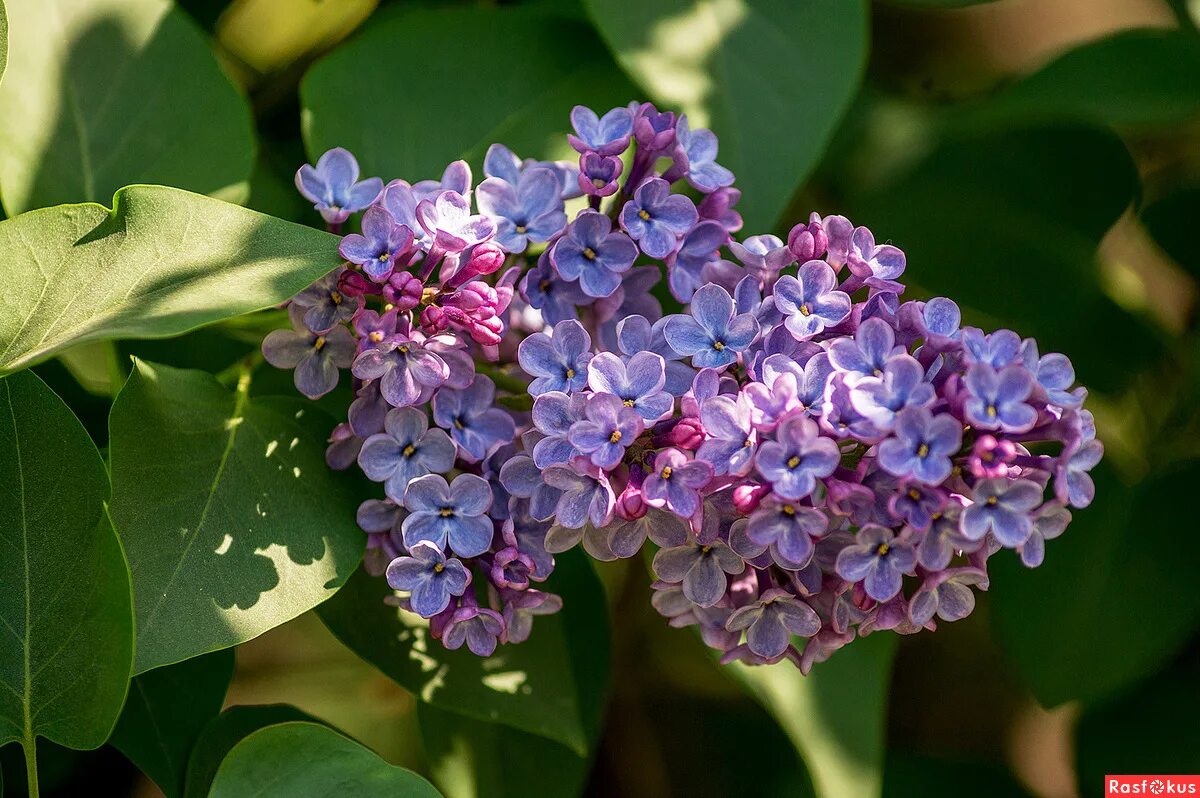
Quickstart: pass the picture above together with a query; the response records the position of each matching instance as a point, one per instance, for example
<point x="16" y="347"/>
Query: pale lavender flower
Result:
<point x="712" y="335"/>
<point x="558" y="362"/>
<point x="878" y="560"/>
<point x="429" y="577"/>
<point x="1002" y="507"/>
<point x="676" y="482"/>
<point x="593" y="253"/>
<point x="316" y="357"/>
<point x="656" y="218"/>
<point x="441" y="513"/>
<point x="794" y="462"/>
<point x="810" y="301"/>
<point x="334" y="188"/>
<point x="472" y="420"/>
<point x="638" y="383"/>
<point x="405" y="450"/>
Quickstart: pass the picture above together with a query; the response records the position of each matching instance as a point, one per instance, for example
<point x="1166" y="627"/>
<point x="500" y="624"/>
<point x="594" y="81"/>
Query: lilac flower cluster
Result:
<point x="810" y="456"/>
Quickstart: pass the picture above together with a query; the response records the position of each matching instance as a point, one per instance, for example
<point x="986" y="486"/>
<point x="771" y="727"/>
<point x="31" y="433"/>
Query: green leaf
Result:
<point x="232" y="520"/>
<point x="909" y="774"/>
<point x="469" y="757"/>
<point x="162" y="262"/>
<point x="166" y="711"/>
<point x="307" y="760"/>
<point x="772" y="78"/>
<point x="105" y="93"/>
<point x="1170" y="221"/>
<point x="227" y="730"/>
<point x="3" y="40"/>
<point x="1152" y="729"/>
<point x="1022" y="252"/>
<point x="1114" y="599"/>
<point x="553" y="684"/>
<point x="835" y="716"/>
<point x="1137" y="78"/>
<point x="65" y="603"/>
<point x="511" y="75"/>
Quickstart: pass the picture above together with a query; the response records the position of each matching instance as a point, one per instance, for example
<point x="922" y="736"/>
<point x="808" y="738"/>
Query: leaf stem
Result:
<point x="30" y="746"/>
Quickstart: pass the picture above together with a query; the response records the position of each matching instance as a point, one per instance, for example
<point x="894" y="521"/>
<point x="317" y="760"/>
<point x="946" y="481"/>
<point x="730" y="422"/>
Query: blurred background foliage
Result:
<point x="1038" y="160"/>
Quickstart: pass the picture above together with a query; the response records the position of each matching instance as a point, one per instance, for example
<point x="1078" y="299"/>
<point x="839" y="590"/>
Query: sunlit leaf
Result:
<point x="162" y="262"/>
<point x="65" y="605"/>
<point x="166" y="711"/>
<point x="307" y="760"/>
<point x="232" y="521"/>
<point x="772" y="78"/>
<point x="101" y="94"/>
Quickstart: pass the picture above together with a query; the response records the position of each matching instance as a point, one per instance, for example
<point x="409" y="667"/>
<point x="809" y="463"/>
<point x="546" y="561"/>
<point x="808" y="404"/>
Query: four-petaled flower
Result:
<point x="607" y="135"/>
<point x="448" y="221"/>
<point x="1002" y="507"/>
<point x="901" y="385"/>
<point x="593" y="253"/>
<point x="529" y="212"/>
<point x="696" y="152"/>
<point x="809" y="301"/>
<point x="700" y="567"/>
<point x="712" y="335"/>
<point x="656" y="218"/>
<point x="733" y="439"/>
<point x="586" y="494"/>
<point x="558" y="362"/>
<point x="316" y="357"/>
<point x="609" y="428"/>
<point x="789" y="529"/>
<point x="794" y="462"/>
<point x="877" y="559"/>
<point x="382" y="244"/>
<point x="675" y="482"/>
<point x="334" y="188"/>
<point x="638" y="383"/>
<point x="921" y="446"/>
<point x="997" y="398"/>
<point x="405" y="450"/>
<point x="441" y="513"/>
<point x="472" y="420"/>
<point x="772" y="620"/>
<point x="429" y="577"/>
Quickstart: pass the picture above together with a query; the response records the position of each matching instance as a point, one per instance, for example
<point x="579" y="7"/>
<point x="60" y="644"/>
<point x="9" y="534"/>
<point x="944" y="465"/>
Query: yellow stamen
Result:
<point x="615" y="437"/>
<point x="409" y="450"/>
<point x="793" y="461"/>
<point x="666" y="472"/>
<point x="335" y="298"/>
<point x="644" y="214"/>
<point x="719" y="346"/>
<point x="589" y="253"/>
<point x="375" y="336"/>
<point x="882" y="549"/>
<point x="804" y="311"/>
<point x="319" y="344"/>
<point x="438" y="568"/>
<point x="991" y="500"/>
<point x="570" y="374"/>
<point x="789" y="509"/>
<point x="923" y="450"/>
<point x="628" y="403"/>
<point x="446" y="512"/>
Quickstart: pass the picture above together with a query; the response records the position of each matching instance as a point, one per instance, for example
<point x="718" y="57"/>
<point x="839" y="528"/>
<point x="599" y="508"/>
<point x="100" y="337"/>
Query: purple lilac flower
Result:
<point x="407" y="449"/>
<point x="877" y="266"/>
<point x="770" y="622"/>
<point x="997" y="350"/>
<point x="675" y="482"/>
<point x="553" y="414"/>
<point x="455" y="177"/>
<point x="943" y="538"/>
<point x="586" y="494"/>
<point x="878" y="560"/>
<point x="1053" y="376"/>
<point x="598" y="174"/>
<point x="607" y="135"/>
<point x="441" y="513"/>
<point x="522" y="478"/>
<point x="316" y="357"/>
<point x="997" y="398"/>
<point x="1050" y="521"/>
<point x="700" y="567"/>
<point x="866" y="354"/>
<point x="448" y="221"/>
<point x="653" y="129"/>
<point x="324" y="304"/>
<point x="764" y="257"/>
<point x="501" y="162"/>
<point x="733" y="440"/>
<point x="520" y="609"/>
<point x="800" y="456"/>
<point x="636" y="334"/>
<point x="638" y="383"/>
<point x="334" y="188"/>
<point x="1002" y="507"/>
<point x="558" y="362"/>
<point x="696" y="153"/>
<point x="407" y="370"/>
<point x="789" y="529"/>
<point x="1073" y="484"/>
<point x="472" y="420"/>
<point x="375" y="330"/>
<point x="947" y="594"/>
<point x="712" y="335"/>
<point x="609" y="428"/>
<point x="382" y="243"/>
<point x="554" y="297"/>
<point x="809" y="301"/>
<point x="481" y="629"/>
<point x="656" y="218"/>
<point x="528" y="212"/>
<point x="916" y="504"/>
<point x="901" y="385"/>
<point x="698" y="248"/>
<point x="594" y="254"/>
<point x="429" y="577"/>
<point x="922" y="446"/>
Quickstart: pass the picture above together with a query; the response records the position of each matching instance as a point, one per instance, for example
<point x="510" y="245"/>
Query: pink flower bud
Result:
<point x="630" y="504"/>
<point x="403" y="290"/>
<point x="746" y="498"/>
<point x="808" y="241"/>
<point x="688" y="433"/>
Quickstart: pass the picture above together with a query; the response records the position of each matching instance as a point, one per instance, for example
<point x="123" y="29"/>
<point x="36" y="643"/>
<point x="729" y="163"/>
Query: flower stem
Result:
<point x="31" y="774"/>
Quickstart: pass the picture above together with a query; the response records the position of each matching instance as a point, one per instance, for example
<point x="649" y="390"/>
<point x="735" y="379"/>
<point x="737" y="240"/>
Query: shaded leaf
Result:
<point x="1113" y="601"/>
<point x="162" y="262"/>
<point x="1135" y="78"/>
<point x="471" y="758"/>
<point x="1170" y="221"/>
<point x="232" y="520"/>
<point x="166" y="711"/>
<point x="772" y="79"/>
<point x="425" y="106"/>
<point x="835" y="716"/>
<point x="65" y="606"/>
<point x="553" y="684"/>
<point x="298" y="760"/>
<point x="225" y="731"/>
<point x="909" y="774"/>
<point x="105" y="93"/>
<point x="1022" y="251"/>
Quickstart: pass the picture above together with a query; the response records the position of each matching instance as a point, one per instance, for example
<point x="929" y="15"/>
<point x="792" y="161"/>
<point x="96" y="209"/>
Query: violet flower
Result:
<point x="334" y="188"/>
<point x="429" y="577"/>
<point x="712" y="335"/>
<point x="316" y="357"/>
<point x="591" y="252"/>
<point x="558" y="362"/>
<point x="441" y="513"/>
<point x="656" y="218"/>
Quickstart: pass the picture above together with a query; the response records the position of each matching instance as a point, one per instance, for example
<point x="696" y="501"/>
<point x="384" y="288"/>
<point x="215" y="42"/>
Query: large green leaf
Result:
<point x="500" y="74"/>
<point x="307" y="760"/>
<point x="1135" y="78"/>
<point x="160" y="263"/>
<point x="553" y="684"/>
<point x="1008" y="225"/>
<point x="166" y="711"/>
<point x="65" y="604"/>
<point x="772" y="78"/>
<point x="232" y="521"/>
<point x="1114" y="599"/>
<point x="1170" y="221"/>
<point x="3" y="39"/>
<point x="471" y="758"/>
<point x="227" y="730"/>
<point x="835" y="716"/>
<point x="909" y="774"/>
<point x="101" y="94"/>
<point x="1151" y="729"/>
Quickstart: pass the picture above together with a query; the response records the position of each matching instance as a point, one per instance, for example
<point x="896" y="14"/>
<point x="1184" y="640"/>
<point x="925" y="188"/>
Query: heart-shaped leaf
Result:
<point x="425" y="106"/>
<point x="227" y="730"/>
<point x="101" y="94"/>
<point x="772" y="78"/>
<point x="160" y="263"/>
<point x="836" y="716"/>
<point x="166" y="711"/>
<point x="553" y="684"/>
<point x="64" y="586"/>
<point x="307" y="760"/>
<point x="232" y="521"/>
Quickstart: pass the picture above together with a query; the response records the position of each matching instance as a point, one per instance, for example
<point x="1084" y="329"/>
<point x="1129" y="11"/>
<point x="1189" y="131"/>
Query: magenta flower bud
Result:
<point x="511" y="569"/>
<point x="598" y="174"/>
<point x="991" y="457"/>
<point x="433" y="320"/>
<point x="352" y="283"/>
<point x="746" y="498"/>
<point x="630" y="504"/>
<point x="403" y="290"/>
<point x="718" y="206"/>
<point x="808" y="241"/>
<point x="475" y="298"/>
<point x="654" y="130"/>
<point x="687" y="434"/>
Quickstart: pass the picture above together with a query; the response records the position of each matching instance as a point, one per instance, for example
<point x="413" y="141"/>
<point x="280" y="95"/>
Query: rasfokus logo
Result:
<point x="1151" y="785"/>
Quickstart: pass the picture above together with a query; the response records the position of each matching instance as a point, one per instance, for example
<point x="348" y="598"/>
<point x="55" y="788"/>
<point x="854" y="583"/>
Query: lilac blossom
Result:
<point x="429" y="577"/>
<point x="441" y="513"/>
<point x="334" y="188"/>
<point x="383" y="242"/>
<point x="325" y="305"/>
<point x="598" y="174"/>
<point x="866" y="354"/>
<point x="772" y="620"/>
<point x="712" y="335"/>
<point x="997" y="398"/>
<point x="554" y="412"/>
<point x="701" y="568"/>
<point x="405" y="450"/>
<point x="608" y="429"/>
<point x="901" y="385"/>
<point x="1073" y="484"/>
<point x="607" y="135"/>
<point x="544" y="290"/>
<point x="696" y="155"/>
<point x="921" y="446"/>
<point x="586" y="494"/>
<point x="877" y="559"/>
<point x="794" y="462"/>
<point x="789" y="529"/>
<point x="472" y="421"/>
<point x="656" y="218"/>
<point x="480" y="628"/>
<point x="593" y="253"/>
<point x="675" y="482"/>
<point x="636" y="334"/>
<point x="406" y="368"/>
<point x="1002" y="508"/>
<point x="558" y="362"/>
<point x="638" y="383"/>
<point x="809" y="301"/>
<point x="528" y="212"/>
<point x="448" y="221"/>
<point x="699" y="247"/>
<point x="733" y="441"/>
<point x="316" y="357"/>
